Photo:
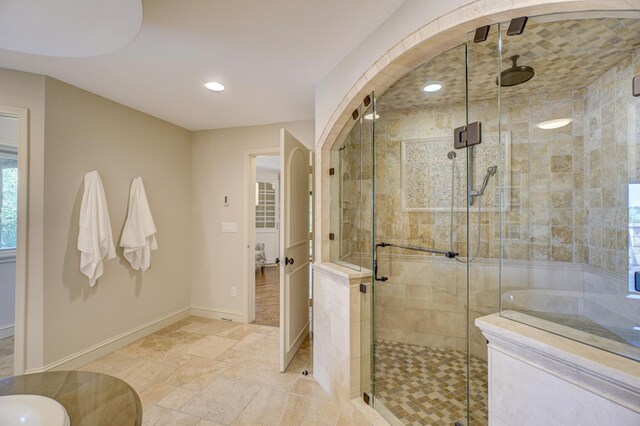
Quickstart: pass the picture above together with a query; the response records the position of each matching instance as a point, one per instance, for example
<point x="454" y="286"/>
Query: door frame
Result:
<point x="250" y="155"/>
<point x="20" y="320"/>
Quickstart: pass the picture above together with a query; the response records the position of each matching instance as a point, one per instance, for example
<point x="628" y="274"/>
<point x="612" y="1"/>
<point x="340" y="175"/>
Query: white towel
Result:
<point x="95" y="241"/>
<point x="138" y="236"/>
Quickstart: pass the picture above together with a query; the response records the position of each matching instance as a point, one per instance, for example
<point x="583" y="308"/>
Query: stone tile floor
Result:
<point x="420" y="385"/>
<point x="200" y="371"/>
<point x="6" y="357"/>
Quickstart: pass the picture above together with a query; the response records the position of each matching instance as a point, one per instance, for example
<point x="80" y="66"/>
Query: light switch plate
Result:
<point x="229" y="227"/>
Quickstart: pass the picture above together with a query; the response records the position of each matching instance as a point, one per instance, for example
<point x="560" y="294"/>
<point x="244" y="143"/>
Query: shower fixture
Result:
<point x="490" y="172"/>
<point x="515" y="75"/>
<point x="451" y="155"/>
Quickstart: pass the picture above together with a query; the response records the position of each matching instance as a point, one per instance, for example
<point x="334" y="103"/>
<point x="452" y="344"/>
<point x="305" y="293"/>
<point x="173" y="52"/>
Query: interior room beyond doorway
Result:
<point x="267" y="238"/>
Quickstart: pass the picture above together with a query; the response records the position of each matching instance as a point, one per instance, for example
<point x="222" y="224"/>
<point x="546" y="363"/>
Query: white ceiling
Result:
<point x="268" y="53"/>
<point x="52" y="27"/>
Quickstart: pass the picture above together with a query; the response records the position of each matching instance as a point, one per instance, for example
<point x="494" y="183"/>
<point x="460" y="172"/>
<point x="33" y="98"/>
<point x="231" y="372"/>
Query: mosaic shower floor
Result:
<point x="427" y="386"/>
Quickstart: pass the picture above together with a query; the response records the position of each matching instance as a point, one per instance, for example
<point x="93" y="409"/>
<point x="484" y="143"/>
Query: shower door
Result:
<point x="434" y="240"/>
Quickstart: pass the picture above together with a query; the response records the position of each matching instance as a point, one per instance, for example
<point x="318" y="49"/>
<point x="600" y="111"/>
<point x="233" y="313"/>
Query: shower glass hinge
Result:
<point x="331" y="236"/>
<point x="636" y="85"/>
<point x="365" y="397"/>
<point x="481" y="34"/>
<point x="332" y="171"/>
<point x="363" y="288"/>
<point x="466" y="136"/>
<point x="516" y="26"/>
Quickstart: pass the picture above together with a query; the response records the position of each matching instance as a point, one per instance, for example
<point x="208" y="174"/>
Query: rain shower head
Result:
<point x="515" y="75"/>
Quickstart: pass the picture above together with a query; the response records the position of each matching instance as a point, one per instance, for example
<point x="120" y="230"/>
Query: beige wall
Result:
<point x="19" y="89"/>
<point x="218" y="168"/>
<point x="86" y="132"/>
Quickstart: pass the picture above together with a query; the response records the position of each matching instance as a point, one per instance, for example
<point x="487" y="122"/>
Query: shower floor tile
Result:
<point x="427" y="386"/>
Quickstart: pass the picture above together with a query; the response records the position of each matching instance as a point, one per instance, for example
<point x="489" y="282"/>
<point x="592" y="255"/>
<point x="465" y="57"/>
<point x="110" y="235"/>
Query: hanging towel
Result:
<point x="138" y="236"/>
<point x="95" y="241"/>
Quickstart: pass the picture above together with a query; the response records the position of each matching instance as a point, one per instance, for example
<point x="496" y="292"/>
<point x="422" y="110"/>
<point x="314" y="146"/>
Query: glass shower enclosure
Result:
<point x="501" y="175"/>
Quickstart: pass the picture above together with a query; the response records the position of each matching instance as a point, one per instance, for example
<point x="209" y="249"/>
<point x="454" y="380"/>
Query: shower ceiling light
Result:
<point x="554" y="124"/>
<point x="214" y="86"/>
<point x="370" y="116"/>
<point x="432" y="86"/>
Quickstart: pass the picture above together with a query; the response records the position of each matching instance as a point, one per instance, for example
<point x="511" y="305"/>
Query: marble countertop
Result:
<point x="89" y="398"/>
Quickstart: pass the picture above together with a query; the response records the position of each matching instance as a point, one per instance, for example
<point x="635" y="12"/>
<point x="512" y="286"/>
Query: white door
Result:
<point x="294" y="246"/>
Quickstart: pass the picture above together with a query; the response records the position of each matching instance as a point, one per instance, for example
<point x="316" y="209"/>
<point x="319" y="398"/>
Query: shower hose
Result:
<point x="458" y="259"/>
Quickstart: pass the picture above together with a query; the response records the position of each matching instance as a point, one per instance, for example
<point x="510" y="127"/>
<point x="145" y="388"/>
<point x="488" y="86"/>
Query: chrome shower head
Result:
<point x="492" y="170"/>
<point x="515" y="75"/>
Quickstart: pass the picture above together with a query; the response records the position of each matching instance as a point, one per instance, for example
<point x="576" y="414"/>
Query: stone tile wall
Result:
<point x="568" y="206"/>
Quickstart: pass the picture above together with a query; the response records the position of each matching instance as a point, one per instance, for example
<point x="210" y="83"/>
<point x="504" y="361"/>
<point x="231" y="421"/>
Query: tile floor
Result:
<point x="420" y="385"/>
<point x="6" y="357"/>
<point x="201" y="372"/>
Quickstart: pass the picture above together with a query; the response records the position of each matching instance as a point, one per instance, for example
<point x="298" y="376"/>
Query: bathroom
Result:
<point x="542" y="241"/>
<point x="530" y="221"/>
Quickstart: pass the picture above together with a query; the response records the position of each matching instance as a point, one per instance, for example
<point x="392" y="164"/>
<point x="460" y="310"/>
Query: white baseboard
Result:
<point x="101" y="349"/>
<point x="215" y="314"/>
<point x="6" y="331"/>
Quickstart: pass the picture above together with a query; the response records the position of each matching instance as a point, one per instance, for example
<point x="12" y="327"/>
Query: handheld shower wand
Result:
<point x="490" y="172"/>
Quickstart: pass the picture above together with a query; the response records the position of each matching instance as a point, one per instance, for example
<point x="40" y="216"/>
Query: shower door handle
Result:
<point x="288" y="261"/>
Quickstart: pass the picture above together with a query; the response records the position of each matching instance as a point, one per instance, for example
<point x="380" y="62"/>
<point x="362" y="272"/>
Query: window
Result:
<point x="8" y="197"/>
<point x="634" y="234"/>
<point x="266" y="213"/>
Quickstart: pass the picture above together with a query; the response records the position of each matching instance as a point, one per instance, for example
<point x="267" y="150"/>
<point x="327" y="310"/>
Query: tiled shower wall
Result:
<point x="612" y="146"/>
<point x="568" y="205"/>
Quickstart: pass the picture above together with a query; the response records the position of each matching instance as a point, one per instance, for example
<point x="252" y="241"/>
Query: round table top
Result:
<point x="89" y="398"/>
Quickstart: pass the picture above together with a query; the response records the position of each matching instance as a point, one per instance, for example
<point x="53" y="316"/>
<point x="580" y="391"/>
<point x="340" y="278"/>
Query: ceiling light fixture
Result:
<point x="370" y="116"/>
<point x="554" y="124"/>
<point x="214" y="86"/>
<point x="432" y="86"/>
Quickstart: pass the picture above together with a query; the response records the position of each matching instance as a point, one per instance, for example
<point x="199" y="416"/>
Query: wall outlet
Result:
<point x="229" y="227"/>
<point x="233" y="292"/>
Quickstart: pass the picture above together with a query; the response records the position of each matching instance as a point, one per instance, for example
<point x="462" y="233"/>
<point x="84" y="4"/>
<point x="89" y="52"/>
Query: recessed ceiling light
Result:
<point x="214" y="86"/>
<point x="370" y="116"/>
<point x="432" y="86"/>
<point x="554" y="124"/>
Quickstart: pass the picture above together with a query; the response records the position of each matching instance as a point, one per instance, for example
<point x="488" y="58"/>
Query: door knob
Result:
<point x="288" y="261"/>
<point x="277" y="260"/>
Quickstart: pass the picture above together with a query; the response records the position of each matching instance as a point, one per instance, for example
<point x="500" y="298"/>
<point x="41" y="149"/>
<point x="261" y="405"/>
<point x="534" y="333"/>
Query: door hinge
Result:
<point x="310" y="170"/>
<point x="466" y="136"/>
